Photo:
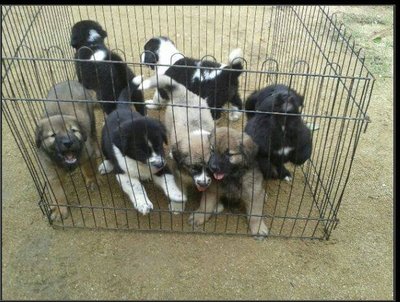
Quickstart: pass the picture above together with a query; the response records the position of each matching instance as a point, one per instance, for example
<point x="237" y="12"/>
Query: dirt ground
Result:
<point x="39" y="262"/>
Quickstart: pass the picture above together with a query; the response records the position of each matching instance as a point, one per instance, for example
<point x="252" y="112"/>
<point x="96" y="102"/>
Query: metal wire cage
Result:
<point x="304" y="47"/>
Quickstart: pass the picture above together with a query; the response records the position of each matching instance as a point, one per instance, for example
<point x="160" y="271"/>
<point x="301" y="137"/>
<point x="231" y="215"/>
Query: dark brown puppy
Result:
<point x="66" y="138"/>
<point x="236" y="176"/>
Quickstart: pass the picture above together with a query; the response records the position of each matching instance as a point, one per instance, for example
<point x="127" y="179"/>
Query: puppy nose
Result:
<point x="67" y="143"/>
<point x="157" y="162"/>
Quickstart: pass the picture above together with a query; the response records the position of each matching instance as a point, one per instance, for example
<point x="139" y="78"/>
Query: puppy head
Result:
<point x="86" y="33"/>
<point x="193" y="157"/>
<point x="283" y="102"/>
<point x="155" y="49"/>
<point x="62" y="138"/>
<point x="231" y="152"/>
<point x="142" y="139"/>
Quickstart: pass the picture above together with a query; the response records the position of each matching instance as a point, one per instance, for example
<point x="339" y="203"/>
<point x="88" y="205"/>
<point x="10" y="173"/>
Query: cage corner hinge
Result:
<point x="368" y="120"/>
<point x="337" y="221"/>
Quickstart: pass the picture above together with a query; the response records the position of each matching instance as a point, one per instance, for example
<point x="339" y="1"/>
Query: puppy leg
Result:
<point x="208" y="206"/>
<point x="254" y="202"/>
<point x="105" y="167"/>
<point x="177" y="198"/>
<point x="137" y="194"/>
<point x="283" y="173"/>
<point x="268" y="170"/>
<point x="236" y="104"/>
<point x="215" y="112"/>
<point x="59" y="211"/>
<point x="88" y="174"/>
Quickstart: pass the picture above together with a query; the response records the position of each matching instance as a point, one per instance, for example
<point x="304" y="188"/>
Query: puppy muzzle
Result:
<point x="214" y="167"/>
<point x="68" y="152"/>
<point x="157" y="162"/>
<point x="203" y="184"/>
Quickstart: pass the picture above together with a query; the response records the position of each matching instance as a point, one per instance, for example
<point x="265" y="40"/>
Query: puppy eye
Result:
<point x="53" y="135"/>
<point x="74" y="130"/>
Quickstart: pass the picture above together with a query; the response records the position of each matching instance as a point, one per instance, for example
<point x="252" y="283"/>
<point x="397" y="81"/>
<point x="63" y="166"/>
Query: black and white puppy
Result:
<point x="281" y="138"/>
<point x="132" y="145"/>
<point x="217" y="83"/>
<point x="101" y="73"/>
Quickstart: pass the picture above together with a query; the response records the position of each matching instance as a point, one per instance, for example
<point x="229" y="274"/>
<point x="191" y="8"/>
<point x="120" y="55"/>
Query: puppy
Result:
<point x="133" y="148"/>
<point x="215" y="83"/>
<point x="188" y="128"/>
<point x="236" y="176"/>
<point x="99" y="73"/>
<point x="281" y="138"/>
<point x="66" y="138"/>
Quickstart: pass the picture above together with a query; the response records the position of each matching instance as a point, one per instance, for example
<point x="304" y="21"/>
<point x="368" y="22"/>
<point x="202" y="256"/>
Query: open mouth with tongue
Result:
<point x="70" y="158"/>
<point x="219" y="175"/>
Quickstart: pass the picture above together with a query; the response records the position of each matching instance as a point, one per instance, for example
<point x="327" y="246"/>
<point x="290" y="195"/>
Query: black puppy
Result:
<point x="132" y="145"/>
<point x="100" y="74"/>
<point x="281" y="138"/>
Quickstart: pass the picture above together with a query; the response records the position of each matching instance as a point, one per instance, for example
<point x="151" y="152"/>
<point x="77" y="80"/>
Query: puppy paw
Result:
<point x="151" y="105"/>
<point x="197" y="219"/>
<point x="287" y="178"/>
<point x="234" y="115"/>
<point x="105" y="167"/>
<point x="219" y="208"/>
<point x="176" y="207"/>
<point x="58" y="213"/>
<point x="177" y="196"/>
<point x="91" y="185"/>
<point x="144" y="207"/>
<point x="137" y="80"/>
<point x="259" y="230"/>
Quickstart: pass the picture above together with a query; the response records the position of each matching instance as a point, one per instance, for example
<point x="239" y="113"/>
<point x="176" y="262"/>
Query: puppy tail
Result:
<point x="236" y="59"/>
<point x="156" y="81"/>
<point x="250" y="105"/>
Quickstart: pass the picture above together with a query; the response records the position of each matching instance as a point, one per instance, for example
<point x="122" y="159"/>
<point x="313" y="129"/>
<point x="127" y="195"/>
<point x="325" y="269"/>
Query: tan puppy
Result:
<point x="189" y="123"/>
<point x="66" y="138"/>
<point x="236" y="176"/>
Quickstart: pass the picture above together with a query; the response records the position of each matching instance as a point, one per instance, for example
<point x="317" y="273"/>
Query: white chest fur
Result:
<point x="284" y="151"/>
<point x="134" y="168"/>
<point x="98" y="55"/>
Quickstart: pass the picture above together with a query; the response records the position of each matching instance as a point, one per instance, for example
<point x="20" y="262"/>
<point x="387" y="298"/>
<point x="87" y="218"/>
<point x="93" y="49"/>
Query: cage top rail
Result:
<point x="364" y="118"/>
<point x="30" y="59"/>
<point x="337" y="25"/>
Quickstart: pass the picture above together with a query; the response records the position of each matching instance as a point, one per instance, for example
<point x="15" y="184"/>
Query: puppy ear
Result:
<point x="249" y="148"/>
<point x="74" y="43"/>
<point x="296" y="99"/>
<point x="150" y="57"/>
<point x="163" y="133"/>
<point x="102" y="33"/>
<point x="38" y="135"/>
<point x="177" y="155"/>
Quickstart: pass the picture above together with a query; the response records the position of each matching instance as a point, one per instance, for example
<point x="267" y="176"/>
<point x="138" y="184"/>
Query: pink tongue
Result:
<point x="219" y="176"/>
<point x="70" y="158"/>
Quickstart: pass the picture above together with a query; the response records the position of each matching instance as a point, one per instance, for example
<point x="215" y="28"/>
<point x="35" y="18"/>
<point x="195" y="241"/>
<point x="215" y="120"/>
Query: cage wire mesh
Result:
<point x="303" y="47"/>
